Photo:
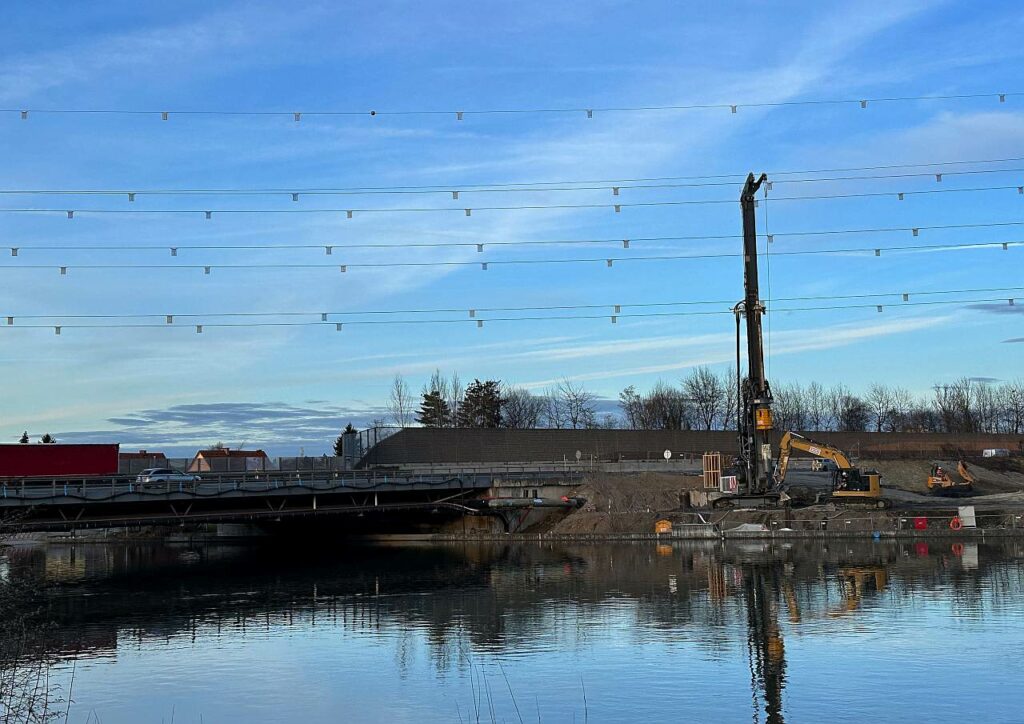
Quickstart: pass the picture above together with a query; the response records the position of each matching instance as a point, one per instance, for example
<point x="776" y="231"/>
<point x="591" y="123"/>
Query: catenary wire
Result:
<point x="567" y="186"/>
<point x="480" y="320"/>
<point x="485" y="264"/>
<point x="335" y="245"/>
<point x="737" y="175"/>
<point x="524" y="207"/>
<point x="536" y="308"/>
<point x="296" y="115"/>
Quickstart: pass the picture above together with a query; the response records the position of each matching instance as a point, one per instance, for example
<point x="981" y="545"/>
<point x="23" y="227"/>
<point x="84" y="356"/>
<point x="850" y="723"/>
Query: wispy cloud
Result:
<point x="1003" y="308"/>
<point x="276" y="426"/>
<point x="159" y="47"/>
<point x="783" y="343"/>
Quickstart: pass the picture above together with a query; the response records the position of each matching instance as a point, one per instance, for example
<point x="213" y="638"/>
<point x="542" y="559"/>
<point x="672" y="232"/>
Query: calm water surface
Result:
<point x="600" y="633"/>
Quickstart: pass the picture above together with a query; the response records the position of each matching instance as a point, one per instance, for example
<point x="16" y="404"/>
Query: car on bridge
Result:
<point x="153" y="476"/>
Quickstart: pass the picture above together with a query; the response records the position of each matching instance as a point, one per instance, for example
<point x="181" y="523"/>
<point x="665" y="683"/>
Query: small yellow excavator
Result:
<point x="850" y="485"/>
<point x="941" y="483"/>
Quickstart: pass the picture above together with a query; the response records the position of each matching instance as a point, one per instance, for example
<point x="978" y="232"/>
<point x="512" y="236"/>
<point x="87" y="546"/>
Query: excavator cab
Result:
<point x="856" y="483"/>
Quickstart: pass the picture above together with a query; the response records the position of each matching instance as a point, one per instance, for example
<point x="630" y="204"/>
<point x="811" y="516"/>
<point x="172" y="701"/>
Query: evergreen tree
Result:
<point x="24" y="437"/>
<point x="481" y="405"/>
<point x="48" y="439"/>
<point x="434" y="410"/>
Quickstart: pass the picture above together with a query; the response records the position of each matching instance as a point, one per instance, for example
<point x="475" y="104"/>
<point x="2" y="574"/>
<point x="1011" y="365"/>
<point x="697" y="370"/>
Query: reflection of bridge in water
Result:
<point x="719" y="599"/>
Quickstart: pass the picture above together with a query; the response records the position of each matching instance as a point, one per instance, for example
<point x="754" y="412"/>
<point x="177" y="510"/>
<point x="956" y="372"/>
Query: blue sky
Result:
<point x="286" y="387"/>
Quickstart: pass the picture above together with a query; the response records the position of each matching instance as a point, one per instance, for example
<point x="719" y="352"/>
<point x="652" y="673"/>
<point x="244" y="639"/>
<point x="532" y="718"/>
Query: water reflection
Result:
<point x="638" y="619"/>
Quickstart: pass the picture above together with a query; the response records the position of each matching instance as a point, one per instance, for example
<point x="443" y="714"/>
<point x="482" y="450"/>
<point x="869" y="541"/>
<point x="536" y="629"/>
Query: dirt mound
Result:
<point x="639" y="493"/>
<point x="912" y="475"/>
<point x="618" y="503"/>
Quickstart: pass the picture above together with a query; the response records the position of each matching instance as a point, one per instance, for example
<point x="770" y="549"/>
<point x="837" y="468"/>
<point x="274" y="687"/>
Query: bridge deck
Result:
<point x="66" y="503"/>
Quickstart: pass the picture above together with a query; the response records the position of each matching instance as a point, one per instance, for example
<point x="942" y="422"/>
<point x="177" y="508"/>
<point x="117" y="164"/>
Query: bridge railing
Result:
<point x="261" y="482"/>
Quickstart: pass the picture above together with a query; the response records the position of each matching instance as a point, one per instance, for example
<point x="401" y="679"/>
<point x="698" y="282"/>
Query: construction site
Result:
<point x="755" y="481"/>
<point x="763" y="481"/>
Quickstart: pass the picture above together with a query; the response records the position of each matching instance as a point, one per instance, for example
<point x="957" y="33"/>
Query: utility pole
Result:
<point x="755" y="427"/>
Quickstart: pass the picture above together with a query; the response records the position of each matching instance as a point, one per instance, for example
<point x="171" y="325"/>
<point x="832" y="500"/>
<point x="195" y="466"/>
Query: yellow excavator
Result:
<point x="940" y="482"/>
<point x="854" y="582"/>
<point x="850" y="485"/>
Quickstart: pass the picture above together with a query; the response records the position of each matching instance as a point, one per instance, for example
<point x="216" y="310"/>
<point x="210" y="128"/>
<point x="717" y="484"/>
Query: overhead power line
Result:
<point x="468" y="211"/>
<point x="732" y="178"/>
<point x="296" y="115"/>
<point x="480" y="246"/>
<point x="484" y="265"/>
<point x="479" y="321"/>
<point x="296" y="193"/>
<point x="473" y="312"/>
<point x="734" y="175"/>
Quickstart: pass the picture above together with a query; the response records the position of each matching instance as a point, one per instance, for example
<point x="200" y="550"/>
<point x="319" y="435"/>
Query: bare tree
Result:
<point x="790" y="407"/>
<point x="706" y="396"/>
<point x="955" y="405"/>
<point x="555" y="414"/>
<point x="574" y="405"/>
<point x="1012" y="404"/>
<point x="663" y="408"/>
<point x="631" y="404"/>
<point x="880" y="401"/>
<point x="401" y="404"/>
<point x="849" y="412"/>
<point x="902" y="403"/>
<point x="986" y="407"/>
<point x="818" y="417"/>
<point x="456" y="391"/>
<point x="667" y="408"/>
<point x="521" y="409"/>
<point x="728" y="416"/>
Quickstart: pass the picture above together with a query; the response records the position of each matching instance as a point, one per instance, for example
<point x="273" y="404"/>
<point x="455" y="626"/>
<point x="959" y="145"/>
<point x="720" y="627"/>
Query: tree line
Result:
<point x="707" y="400"/>
<point x="445" y="401"/>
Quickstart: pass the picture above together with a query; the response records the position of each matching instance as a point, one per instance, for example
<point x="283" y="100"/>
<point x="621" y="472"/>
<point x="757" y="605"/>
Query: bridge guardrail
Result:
<point x="96" y="489"/>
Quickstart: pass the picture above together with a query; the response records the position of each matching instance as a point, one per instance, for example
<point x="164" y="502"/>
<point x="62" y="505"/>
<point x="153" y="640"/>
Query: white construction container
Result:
<point x="995" y="452"/>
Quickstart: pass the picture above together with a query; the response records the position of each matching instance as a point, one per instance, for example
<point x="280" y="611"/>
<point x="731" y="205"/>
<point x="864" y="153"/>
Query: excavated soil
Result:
<point x="627" y="504"/>
<point x="619" y="503"/>
<point x="994" y="475"/>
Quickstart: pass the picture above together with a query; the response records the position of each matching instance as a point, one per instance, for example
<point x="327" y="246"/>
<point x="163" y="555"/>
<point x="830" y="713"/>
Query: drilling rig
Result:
<point x="754" y="396"/>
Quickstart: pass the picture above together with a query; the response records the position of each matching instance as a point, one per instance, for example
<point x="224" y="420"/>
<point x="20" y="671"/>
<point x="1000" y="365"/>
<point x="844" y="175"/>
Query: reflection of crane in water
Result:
<point x="763" y="583"/>
<point x="766" y="650"/>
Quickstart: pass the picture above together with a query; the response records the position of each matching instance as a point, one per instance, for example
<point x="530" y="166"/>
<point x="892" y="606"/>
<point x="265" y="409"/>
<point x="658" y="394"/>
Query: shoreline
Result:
<point x="973" y="534"/>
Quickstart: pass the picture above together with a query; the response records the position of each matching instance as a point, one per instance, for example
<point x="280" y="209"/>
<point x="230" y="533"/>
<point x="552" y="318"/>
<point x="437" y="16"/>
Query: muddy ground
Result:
<point x="618" y="503"/>
<point x="994" y="475"/>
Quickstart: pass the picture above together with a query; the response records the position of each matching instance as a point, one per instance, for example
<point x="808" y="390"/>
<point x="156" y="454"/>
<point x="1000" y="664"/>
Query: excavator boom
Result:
<point x="850" y="484"/>
<point x="792" y="440"/>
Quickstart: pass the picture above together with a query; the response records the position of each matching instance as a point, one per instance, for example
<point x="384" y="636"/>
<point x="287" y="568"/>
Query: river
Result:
<point x="759" y="631"/>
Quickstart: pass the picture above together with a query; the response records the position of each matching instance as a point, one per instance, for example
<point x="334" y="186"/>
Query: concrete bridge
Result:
<point x="64" y="504"/>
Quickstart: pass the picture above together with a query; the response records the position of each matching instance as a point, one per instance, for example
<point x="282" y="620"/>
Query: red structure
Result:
<point x="36" y="459"/>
